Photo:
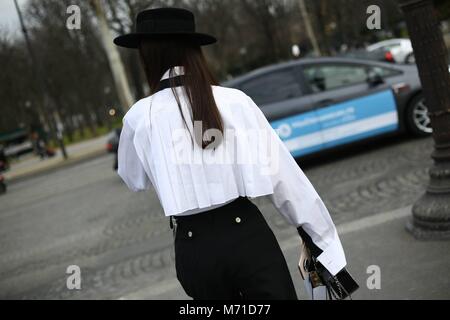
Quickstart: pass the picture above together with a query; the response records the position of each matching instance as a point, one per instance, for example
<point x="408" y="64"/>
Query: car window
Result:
<point x="391" y="46"/>
<point x="322" y="77"/>
<point x="384" y="47"/>
<point x="272" y="87"/>
<point x="385" y="72"/>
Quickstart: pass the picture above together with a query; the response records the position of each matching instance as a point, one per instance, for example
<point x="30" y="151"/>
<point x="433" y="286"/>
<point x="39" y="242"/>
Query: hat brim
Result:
<point x="132" y="40"/>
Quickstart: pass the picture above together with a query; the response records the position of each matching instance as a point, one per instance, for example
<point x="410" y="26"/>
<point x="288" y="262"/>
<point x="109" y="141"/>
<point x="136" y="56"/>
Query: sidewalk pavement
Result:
<point x="410" y="269"/>
<point x="77" y="152"/>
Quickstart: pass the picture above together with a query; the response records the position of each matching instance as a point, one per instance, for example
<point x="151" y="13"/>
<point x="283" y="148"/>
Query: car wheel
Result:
<point x="410" y="59"/>
<point x="418" y="121"/>
<point x="116" y="163"/>
<point x="2" y="188"/>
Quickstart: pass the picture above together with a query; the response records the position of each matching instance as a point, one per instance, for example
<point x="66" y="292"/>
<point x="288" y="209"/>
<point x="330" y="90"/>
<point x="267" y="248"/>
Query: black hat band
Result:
<point x="165" y="26"/>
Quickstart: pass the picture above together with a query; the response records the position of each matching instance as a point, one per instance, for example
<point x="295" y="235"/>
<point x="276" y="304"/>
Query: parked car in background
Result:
<point x="16" y="143"/>
<point x="394" y="50"/>
<point x="320" y="103"/>
<point x="381" y="55"/>
<point x="2" y="184"/>
<point x="4" y="163"/>
<point x="113" y="144"/>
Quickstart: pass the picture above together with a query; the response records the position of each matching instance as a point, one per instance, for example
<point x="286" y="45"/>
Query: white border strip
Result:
<point x="342" y="131"/>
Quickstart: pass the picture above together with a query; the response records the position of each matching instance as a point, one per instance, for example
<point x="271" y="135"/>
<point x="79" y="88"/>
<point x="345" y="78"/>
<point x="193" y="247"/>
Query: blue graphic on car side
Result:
<point x="337" y="124"/>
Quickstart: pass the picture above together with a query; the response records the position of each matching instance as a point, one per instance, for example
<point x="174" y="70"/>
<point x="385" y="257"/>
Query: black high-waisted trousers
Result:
<point x="230" y="252"/>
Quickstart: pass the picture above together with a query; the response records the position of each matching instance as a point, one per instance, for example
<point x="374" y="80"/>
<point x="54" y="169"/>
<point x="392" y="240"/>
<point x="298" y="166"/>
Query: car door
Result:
<point x="349" y="107"/>
<point x="291" y="113"/>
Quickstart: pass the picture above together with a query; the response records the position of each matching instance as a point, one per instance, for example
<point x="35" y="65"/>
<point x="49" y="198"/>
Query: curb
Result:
<point x="57" y="166"/>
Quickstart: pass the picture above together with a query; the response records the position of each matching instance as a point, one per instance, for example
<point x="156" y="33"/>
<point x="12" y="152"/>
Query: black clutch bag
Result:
<point x="339" y="286"/>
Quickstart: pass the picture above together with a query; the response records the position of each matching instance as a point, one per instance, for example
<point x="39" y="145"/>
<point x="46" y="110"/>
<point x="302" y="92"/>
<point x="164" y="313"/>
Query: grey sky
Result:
<point x="8" y="16"/>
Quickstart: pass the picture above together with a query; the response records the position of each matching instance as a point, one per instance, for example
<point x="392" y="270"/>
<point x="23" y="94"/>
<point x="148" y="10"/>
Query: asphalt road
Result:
<point x="85" y="216"/>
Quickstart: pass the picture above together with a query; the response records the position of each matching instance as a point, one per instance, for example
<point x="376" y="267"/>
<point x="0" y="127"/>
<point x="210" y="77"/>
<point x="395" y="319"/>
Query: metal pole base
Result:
<point x="431" y="217"/>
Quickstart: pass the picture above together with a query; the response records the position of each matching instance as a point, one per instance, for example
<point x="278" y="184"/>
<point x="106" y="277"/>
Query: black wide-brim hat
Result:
<point x="164" y="22"/>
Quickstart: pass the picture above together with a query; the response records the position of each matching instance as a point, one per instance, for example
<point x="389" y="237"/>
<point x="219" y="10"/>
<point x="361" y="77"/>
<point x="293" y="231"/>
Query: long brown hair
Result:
<point x="159" y="55"/>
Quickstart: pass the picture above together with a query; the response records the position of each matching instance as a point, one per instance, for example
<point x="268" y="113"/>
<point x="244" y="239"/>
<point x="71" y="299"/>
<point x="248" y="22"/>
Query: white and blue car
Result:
<point x="321" y="103"/>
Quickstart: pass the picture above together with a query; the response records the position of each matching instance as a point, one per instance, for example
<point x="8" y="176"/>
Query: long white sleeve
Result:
<point x="295" y="198"/>
<point x="130" y="167"/>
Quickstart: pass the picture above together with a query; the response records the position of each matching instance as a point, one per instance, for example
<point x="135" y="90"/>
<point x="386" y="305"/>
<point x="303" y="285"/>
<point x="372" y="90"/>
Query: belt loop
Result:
<point x="171" y="222"/>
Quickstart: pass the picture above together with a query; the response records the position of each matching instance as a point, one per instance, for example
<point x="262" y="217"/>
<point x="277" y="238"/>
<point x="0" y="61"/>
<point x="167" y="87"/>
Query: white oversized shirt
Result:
<point x="156" y="149"/>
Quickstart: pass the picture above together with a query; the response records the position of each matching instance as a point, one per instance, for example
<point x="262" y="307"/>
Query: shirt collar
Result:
<point x="177" y="70"/>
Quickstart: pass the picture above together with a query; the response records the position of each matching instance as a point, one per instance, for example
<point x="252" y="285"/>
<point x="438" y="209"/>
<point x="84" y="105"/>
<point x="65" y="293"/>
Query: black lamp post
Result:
<point x="431" y="213"/>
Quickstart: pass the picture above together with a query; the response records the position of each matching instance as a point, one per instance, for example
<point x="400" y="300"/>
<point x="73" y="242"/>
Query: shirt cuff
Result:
<point x="333" y="257"/>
